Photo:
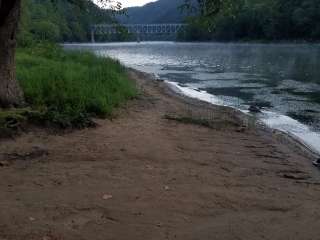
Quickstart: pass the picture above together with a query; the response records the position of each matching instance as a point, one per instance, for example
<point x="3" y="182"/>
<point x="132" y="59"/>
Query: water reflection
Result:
<point x="281" y="78"/>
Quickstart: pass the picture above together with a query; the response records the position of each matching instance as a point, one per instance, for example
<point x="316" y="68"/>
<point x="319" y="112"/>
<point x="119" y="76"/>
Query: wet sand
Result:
<point x="144" y="175"/>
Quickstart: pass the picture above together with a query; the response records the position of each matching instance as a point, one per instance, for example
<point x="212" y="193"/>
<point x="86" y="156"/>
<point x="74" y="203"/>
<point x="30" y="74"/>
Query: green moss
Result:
<point x="11" y="118"/>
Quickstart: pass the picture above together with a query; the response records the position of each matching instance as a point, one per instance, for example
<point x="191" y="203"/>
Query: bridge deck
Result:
<point x="168" y="28"/>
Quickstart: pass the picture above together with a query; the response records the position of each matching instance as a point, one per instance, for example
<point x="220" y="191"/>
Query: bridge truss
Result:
<point x="137" y="29"/>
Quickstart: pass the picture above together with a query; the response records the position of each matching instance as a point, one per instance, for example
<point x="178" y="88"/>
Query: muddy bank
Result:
<point x="158" y="172"/>
<point x="244" y="120"/>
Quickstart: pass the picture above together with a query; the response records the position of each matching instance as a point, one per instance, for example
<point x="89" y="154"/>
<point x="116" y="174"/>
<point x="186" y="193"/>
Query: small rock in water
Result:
<point x="254" y="109"/>
<point x="317" y="162"/>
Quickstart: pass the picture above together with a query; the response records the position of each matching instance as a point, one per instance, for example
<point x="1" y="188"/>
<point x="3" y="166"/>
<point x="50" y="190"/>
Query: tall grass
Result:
<point x="68" y="88"/>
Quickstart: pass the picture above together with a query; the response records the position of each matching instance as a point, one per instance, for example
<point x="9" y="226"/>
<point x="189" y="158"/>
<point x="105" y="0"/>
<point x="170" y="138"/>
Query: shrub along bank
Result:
<point x="67" y="88"/>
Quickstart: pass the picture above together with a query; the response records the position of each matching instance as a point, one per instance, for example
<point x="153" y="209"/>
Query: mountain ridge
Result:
<point x="162" y="11"/>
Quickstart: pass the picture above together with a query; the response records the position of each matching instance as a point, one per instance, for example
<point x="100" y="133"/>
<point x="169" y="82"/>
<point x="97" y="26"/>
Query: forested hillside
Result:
<point x="261" y="20"/>
<point x="270" y="20"/>
<point x="162" y="11"/>
<point x="59" y="21"/>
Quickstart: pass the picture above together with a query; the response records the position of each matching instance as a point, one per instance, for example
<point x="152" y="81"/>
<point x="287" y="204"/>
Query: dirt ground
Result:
<point x="142" y="176"/>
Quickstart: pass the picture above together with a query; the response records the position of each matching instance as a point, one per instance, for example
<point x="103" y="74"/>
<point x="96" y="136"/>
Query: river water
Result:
<point x="282" y="79"/>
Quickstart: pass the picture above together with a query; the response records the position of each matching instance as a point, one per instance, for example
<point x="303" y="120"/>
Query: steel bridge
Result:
<point x="137" y="29"/>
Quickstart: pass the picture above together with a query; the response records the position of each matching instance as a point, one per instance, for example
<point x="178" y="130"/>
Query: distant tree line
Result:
<point x="227" y="20"/>
<point x="272" y="20"/>
<point x="58" y="21"/>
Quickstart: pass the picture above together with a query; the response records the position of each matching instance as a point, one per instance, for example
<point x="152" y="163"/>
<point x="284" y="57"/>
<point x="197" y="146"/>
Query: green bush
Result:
<point x="70" y="87"/>
<point x="45" y="31"/>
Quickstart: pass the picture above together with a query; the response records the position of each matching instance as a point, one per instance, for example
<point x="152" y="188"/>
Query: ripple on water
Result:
<point x="283" y="78"/>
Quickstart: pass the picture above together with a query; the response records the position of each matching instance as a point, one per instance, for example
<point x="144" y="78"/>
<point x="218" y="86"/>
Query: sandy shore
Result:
<point x="149" y="175"/>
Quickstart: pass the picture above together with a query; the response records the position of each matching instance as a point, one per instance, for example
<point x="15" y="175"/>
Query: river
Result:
<point x="282" y="79"/>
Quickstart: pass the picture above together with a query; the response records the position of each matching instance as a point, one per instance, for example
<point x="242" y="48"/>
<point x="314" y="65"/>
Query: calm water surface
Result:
<point x="283" y="79"/>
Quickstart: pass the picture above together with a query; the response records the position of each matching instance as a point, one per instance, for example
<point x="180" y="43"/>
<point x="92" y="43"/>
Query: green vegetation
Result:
<point x="161" y="11"/>
<point x="271" y="20"/>
<point x="58" y="21"/>
<point x="68" y="88"/>
<point x="63" y="88"/>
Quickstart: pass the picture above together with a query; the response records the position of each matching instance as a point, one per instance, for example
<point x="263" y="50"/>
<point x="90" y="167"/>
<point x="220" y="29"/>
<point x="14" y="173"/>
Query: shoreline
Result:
<point x="205" y="42"/>
<point x="283" y="136"/>
<point x="162" y="168"/>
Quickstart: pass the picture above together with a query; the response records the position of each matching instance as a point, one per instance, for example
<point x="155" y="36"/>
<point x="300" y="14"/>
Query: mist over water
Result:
<point x="283" y="79"/>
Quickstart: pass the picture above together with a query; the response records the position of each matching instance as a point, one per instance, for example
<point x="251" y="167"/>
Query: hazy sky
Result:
<point x="131" y="3"/>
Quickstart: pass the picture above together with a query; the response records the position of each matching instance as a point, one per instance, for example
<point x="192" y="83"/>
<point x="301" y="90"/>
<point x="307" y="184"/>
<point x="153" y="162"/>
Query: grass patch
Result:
<point x="69" y="88"/>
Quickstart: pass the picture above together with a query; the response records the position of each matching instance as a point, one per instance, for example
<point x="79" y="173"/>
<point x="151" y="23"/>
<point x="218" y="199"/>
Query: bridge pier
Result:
<point x="139" y="36"/>
<point x="92" y="36"/>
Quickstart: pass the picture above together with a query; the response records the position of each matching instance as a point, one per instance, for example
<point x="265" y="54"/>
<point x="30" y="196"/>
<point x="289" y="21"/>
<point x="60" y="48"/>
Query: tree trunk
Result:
<point x="10" y="91"/>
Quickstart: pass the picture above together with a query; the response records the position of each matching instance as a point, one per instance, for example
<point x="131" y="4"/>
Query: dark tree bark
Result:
<point x="10" y="91"/>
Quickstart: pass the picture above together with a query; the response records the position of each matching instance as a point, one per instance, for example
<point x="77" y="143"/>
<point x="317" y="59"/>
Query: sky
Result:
<point x="132" y="3"/>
